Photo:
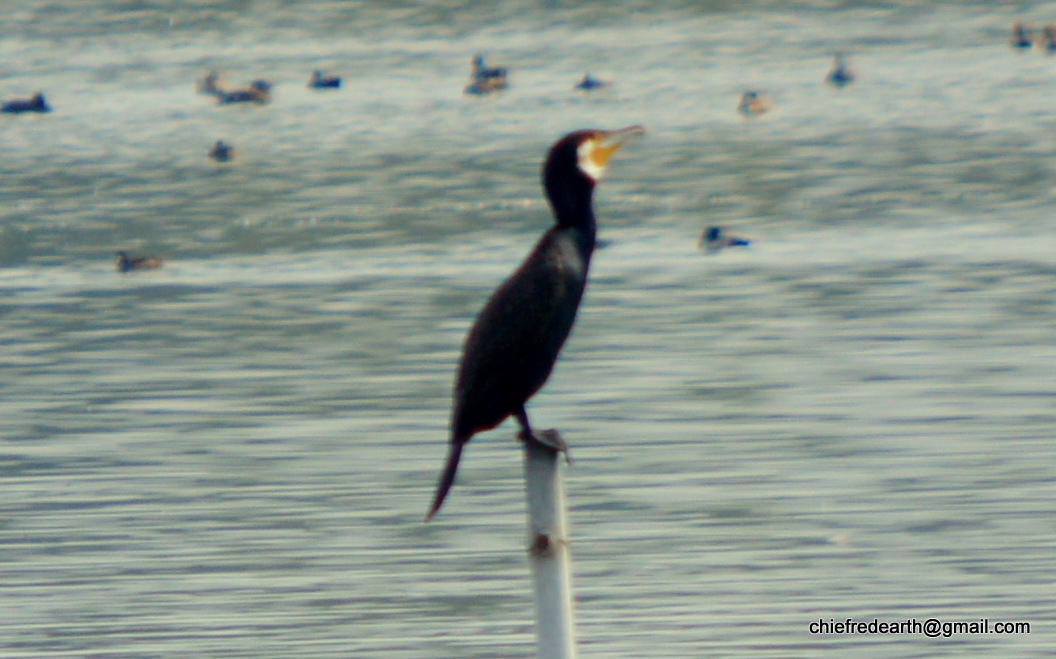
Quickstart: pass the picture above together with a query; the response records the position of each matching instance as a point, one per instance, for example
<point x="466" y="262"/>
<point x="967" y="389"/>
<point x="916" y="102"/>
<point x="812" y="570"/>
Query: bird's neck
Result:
<point x="573" y="208"/>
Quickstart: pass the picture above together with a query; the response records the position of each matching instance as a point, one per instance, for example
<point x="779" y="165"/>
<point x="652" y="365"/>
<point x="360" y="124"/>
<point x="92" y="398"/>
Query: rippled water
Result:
<point x="232" y="456"/>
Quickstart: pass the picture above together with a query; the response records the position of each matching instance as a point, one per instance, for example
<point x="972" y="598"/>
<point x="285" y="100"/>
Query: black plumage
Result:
<point x="514" y="343"/>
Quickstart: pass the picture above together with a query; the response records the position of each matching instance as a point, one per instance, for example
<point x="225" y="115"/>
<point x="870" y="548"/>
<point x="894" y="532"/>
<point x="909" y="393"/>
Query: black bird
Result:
<point x="35" y="104"/>
<point x="515" y="340"/>
<point x="221" y="151"/>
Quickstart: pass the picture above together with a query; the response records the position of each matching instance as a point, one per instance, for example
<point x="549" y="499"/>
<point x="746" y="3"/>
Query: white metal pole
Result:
<point x="548" y="553"/>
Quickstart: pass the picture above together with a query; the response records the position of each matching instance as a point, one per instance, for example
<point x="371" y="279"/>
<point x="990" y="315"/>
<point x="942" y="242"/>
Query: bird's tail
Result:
<point x="447" y="479"/>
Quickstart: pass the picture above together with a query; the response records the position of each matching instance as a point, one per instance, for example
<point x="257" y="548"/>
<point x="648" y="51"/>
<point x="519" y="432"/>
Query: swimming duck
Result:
<point x="1047" y="42"/>
<point x="841" y="74"/>
<point x="321" y="81"/>
<point x="713" y="239"/>
<point x="259" y="91"/>
<point x="484" y="79"/>
<point x="1021" y="36"/>
<point x="221" y="151"/>
<point x="18" y="106"/>
<point x="209" y="85"/>
<point x="128" y="263"/>
<point x="590" y="83"/>
<point x="754" y="103"/>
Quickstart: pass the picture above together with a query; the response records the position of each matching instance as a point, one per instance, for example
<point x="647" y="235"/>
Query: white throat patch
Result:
<point x="586" y="164"/>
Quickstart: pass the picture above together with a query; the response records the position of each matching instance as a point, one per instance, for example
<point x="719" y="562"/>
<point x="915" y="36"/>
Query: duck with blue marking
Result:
<point x="590" y="83"/>
<point x="754" y="103"/>
<point x="484" y="79"/>
<point x="714" y="239"/>
<point x="841" y="74"/>
<point x="221" y="151"/>
<point x="1021" y="36"/>
<point x="320" y="80"/>
<point x="37" y="103"/>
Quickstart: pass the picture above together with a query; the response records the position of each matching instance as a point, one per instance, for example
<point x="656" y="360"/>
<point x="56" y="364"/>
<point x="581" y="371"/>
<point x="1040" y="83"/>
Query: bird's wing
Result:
<point x="512" y="347"/>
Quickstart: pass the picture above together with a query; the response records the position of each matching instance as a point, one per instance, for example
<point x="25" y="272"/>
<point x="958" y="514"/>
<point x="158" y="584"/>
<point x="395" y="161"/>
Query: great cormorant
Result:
<point x="515" y="340"/>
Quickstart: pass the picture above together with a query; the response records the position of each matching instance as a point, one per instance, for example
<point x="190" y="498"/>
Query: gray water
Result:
<point x="231" y="457"/>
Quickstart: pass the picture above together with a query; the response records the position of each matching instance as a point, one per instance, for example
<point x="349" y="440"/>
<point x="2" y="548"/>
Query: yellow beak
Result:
<point x="607" y="142"/>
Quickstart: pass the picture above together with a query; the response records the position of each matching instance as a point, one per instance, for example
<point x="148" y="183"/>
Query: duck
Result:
<point x="259" y="91"/>
<point x="319" y="80"/>
<point x="35" y="104"/>
<point x="209" y="85"/>
<point x="713" y="239"/>
<point x="1021" y="36"/>
<point x="127" y="263"/>
<point x="754" y="103"/>
<point x="484" y="79"/>
<point x="1047" y="41"/>
<point x="590" y="83"/>
<point x="221" y="151"/>
<point x="841" y="74"/>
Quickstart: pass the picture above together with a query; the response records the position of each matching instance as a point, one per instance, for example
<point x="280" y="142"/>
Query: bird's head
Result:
<point x="575" y="164"/>
<point x="595" y="147"/>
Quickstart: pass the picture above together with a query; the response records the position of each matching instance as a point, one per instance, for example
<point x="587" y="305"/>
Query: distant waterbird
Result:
<point x="513" y="345"/>
<point x="209" y="85"/>
<point x="259" y="91"/>
<point x="127" y="263"/>
<point x="1021" y="36"/>
<point x="221" y="151"/>
<point x="484" y="79"/>
<point x="1047" y="40"/>
<point x="590" y="83"/>
<point x="320" y="80"/>
<point x="36" y="103"/>
<point x="841" y="73"/>
<point x="754" y="103"/>
<point x="714" y="238"/>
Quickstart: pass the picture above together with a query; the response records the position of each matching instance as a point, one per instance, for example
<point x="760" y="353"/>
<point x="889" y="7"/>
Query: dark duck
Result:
<point x="1021" y="36"/>
<point x="320" y="80"/>
<point x="484" y="79"/>
<point x="221" y="151"/>
<point x="18" y="106"/>
<point x="841" y="74"/>
<point x="1047" y="41"/>
<point x="514" y="343"/>
<point x="210" y="84"/>
<point x="127" y="263"/>
<point x="589" y="83"/>
<point x="714" y="238"/>
<point x="259" y="91"/>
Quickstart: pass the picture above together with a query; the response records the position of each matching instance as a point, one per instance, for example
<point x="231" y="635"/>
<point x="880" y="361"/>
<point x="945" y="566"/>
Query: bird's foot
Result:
<point x="551" y="439"/>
